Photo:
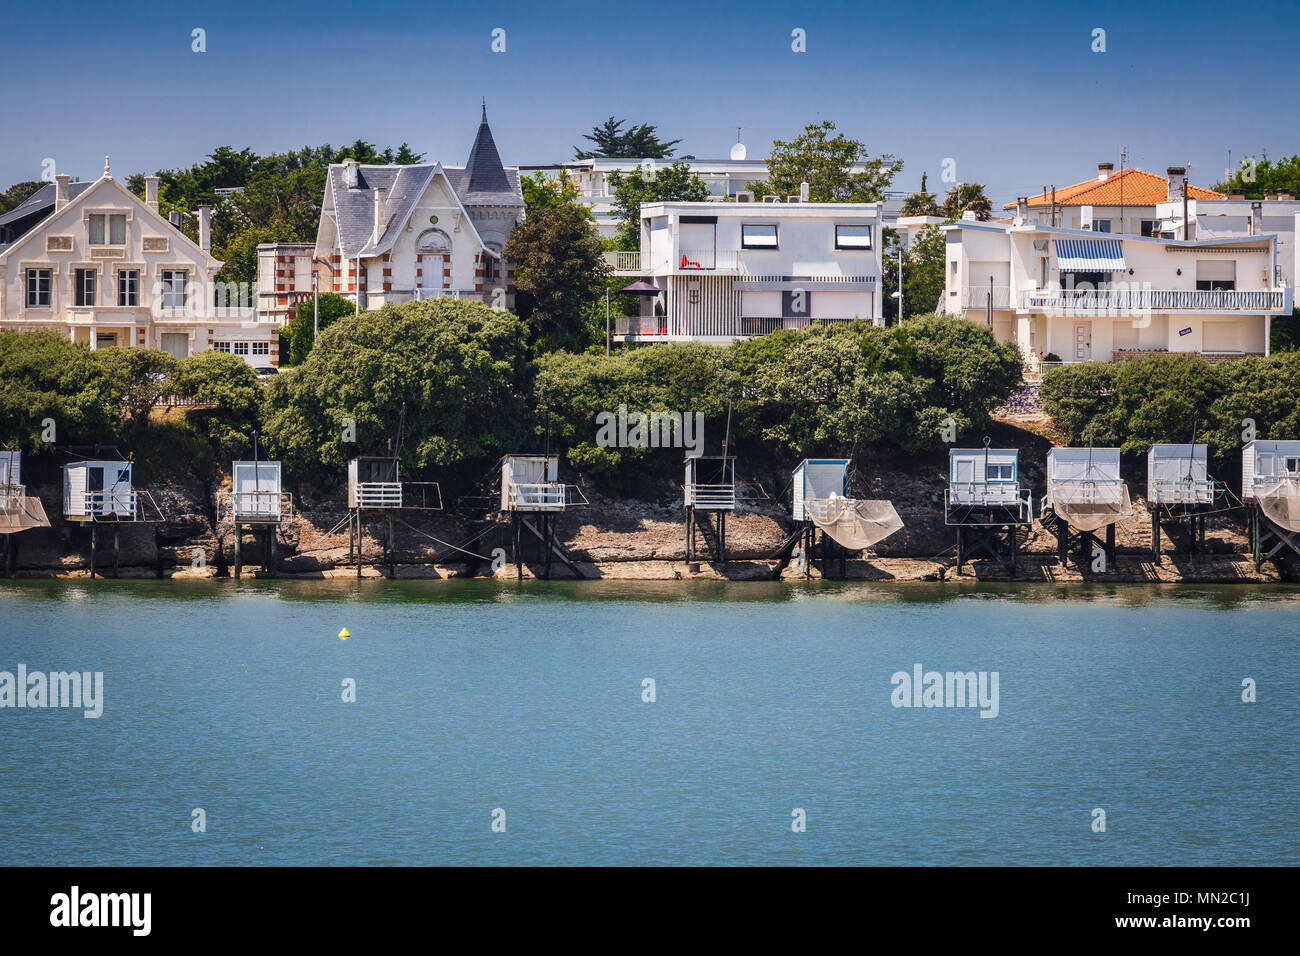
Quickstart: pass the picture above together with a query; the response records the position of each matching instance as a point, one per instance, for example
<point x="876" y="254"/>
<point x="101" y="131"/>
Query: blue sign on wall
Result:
<point x="1186" y="331"/>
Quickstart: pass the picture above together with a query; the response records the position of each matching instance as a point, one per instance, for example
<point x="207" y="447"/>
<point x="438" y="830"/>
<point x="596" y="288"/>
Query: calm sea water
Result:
<point x="474" y="696"/>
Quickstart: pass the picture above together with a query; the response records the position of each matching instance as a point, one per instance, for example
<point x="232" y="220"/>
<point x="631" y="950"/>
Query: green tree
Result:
<point x="921" y="203"/>
<point x="230" y="386"/>
<point x="638" y="142"/>
<point x="673" y="183"/>
<point x="461" y="369"/>
<point x="923" y="272"/>
<point x="302" y="330"/>
<point x="43" y="375"/>
<point x="137" y="379"/>
<point x="239" y="252"/>
<point x="1255" y="178"/>
<point x="559" y="263"/>
<point x="967" y="197"/>
<point x="541" y="193"/>
<point x="825" y="162"/>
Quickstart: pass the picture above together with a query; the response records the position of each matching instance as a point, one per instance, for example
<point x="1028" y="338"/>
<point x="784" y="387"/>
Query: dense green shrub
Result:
<point x="460" y="368"/>
<point x="230" y="387"/>
<point x="1170" y="398"/>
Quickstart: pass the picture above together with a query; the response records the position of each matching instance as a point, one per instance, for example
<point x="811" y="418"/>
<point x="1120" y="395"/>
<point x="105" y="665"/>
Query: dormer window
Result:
<point x="115" y="226"/>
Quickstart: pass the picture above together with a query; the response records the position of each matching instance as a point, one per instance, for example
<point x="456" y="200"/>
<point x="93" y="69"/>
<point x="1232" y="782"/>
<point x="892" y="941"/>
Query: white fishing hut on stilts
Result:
<point x="102" y="492"/>
<point x="1180" y="492"/>
<point x="533" y="496"/>
<point x="1270" y="485"/>
<point x="375" y="487"/>
<point x="709" y="493"/>
<point x="258" y="504"/>
<point x="18" y="510"/>
<point x="1085" y="493"/>
<point x="986" y="504"/>
<point x="820" y="500"/>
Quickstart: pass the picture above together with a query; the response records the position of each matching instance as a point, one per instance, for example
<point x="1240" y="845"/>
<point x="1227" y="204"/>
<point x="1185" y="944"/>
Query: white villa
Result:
<point x="95" y="263"/>
<point x="1236" y="217"/>
<point x="725" y="179"/>
<point x="1080" y="296"/>
<point x="392" y="234"/>
<point x="731" y="270"/>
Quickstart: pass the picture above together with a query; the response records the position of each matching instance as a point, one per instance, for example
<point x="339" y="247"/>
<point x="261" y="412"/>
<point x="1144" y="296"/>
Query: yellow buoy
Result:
<point x="344" y="635"/>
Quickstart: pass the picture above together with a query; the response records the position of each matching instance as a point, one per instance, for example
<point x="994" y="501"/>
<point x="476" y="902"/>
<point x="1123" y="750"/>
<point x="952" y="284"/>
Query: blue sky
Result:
<point x="1012" y="92"/>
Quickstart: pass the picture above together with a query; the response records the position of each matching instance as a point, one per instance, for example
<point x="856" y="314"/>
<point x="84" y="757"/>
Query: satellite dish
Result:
<point x="738" y="151"/>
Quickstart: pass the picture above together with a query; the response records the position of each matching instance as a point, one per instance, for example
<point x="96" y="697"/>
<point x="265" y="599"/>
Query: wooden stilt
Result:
<point x="93" y="542"/>
<point x="239" y="556"/>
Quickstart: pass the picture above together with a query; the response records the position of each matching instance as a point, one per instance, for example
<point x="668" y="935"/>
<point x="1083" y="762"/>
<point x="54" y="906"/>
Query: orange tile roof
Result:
<point x="1140" y="188"/>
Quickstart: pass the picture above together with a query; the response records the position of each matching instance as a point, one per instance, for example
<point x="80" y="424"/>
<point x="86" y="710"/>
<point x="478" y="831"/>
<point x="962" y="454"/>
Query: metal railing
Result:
<point x="628" y="261"/>
<point x="981" y="494"/>
<point x="711" y="497"/>
<point x="260" y="505"/>
<point x="378" y="494"/>
<point x="640" y="325"/>
<point x="539" y="496"/>
<point x="1158" y="300"/>
<point x="1184" y="491"/>
<point x="975" y="297"/>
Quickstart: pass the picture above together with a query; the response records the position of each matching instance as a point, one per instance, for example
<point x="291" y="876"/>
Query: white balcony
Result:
<point x="1128" y="301"/>
<point x="977" y="297"/>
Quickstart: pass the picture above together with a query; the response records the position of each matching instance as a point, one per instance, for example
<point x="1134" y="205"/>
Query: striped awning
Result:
<point x="1089" y="255"/>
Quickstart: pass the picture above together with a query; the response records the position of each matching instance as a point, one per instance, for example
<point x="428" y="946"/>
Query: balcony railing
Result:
<point x="1158" y="300"/>
<point x="378" y="494"/>
<point x="632" y="262"/>
<point x="539" y="496"/>
<point x="977" y="297"/>
<point x="647" y="326"/>
<point x="708" y="260"/>
<point x="260" y="506"/>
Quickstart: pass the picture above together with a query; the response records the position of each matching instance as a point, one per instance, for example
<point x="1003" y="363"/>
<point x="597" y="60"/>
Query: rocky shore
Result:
<point x="614" y="539"/>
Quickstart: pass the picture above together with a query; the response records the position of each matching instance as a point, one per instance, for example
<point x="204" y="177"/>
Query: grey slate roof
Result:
<point x="486" y="174"/>
<point x="482" y="182"/>
<point x="41" y="200"/>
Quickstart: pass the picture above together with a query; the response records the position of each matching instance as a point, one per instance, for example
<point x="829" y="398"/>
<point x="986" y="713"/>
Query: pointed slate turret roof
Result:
<point x="484" y="169"/>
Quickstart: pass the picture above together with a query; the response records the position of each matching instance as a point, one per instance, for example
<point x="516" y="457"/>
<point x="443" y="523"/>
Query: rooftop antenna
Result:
<point x="1123" y="158"/>
<point x="257" y="472"/>
<point x="1191" y="449"/>
<point x="726" y="435"/>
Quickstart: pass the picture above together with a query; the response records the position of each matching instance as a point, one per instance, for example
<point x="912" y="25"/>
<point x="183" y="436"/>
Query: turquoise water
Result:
<point x="473" y="696"/>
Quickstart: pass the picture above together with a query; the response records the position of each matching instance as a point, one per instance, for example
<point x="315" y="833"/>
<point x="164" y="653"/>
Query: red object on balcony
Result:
<point x="687" y="264"/>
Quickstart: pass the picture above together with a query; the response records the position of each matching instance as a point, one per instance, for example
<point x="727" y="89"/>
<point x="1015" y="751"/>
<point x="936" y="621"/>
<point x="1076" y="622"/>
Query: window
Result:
<point x="1101" y="225"/>
<point x="952" y="274"/>
<point x="999" y="472"/>
<point x="853" y="238"/>
<point x="83" y="292"/>
<point x="106" y="340"/>
<point x="1215" y="285"/>
<point x="754" y="236"/>
<point x="261" y="348"/>
<point x="1291" y="466"/>
<point x="174" y="289"/>
<point x="435" y="240"/>
<point x="128" y="287"/>
<point x="117" y="230"/>
<point x="1150" y="227"/>
<point x="1042" y="272"/>
<point x="97" y="230"/>
<point x="221" y="346"/>
<point x="491" y="264"/>
<point x="38" y="288"/>
<point x="241" y="348"/>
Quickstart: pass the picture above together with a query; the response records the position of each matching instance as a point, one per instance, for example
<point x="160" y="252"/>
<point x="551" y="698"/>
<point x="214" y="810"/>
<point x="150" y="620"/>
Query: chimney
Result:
<point x="1177" y="176"/>
<point x="151" y="192"/>
<point x="174" y="217"/>
<point x="61" y="190"/>
<point x="381" y="213"/>
<point x="351" y="173"/>
<point x="1022" y="209"/>
<point x="1285" y="196"/>
<point x="1257" y="218"/>
<point x="1104" y="170"/>
<point x="205" y="228"/>
<point x="803" y="192"/>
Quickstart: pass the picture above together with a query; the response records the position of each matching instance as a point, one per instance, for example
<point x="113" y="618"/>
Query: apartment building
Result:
<point x="1080" y="296"/>
<point x="715" y="272"/>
